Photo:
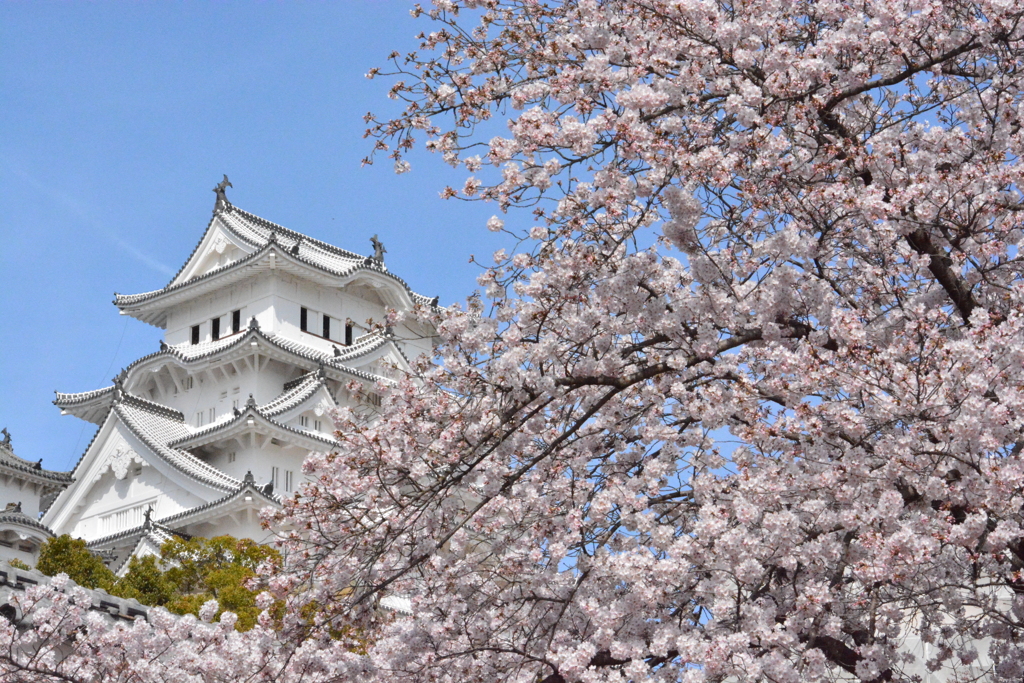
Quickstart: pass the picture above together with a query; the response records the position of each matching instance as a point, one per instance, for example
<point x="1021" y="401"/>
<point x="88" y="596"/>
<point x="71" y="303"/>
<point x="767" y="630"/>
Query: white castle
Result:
<point x="266" y="330"/>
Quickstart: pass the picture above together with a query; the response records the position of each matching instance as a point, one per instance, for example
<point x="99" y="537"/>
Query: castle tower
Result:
<point x="25" y="487"/>
<point x="266" y="331"/>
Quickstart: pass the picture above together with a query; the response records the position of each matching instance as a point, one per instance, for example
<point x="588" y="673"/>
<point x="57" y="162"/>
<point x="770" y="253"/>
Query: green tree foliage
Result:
<point x="187" y="574"/>
<point x="146" y="582"/>
<point x="70" y="556"/>
<point x="217" y="568"/>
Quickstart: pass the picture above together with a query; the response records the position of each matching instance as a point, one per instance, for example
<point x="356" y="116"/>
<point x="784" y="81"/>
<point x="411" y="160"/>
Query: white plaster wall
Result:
<point x="253" y="297"/>
<point x="275" y="299"/>
<point x="228" y="526"/>
<point x="16" y="490"/>
<point x="15" y="552"/>
<point x="292" y="294"/>
<point x="109" y="496"/>
<point x="259" y="461"/>
<point x="413" y="342"/>
<point x="98" y="493"/>
<point x="224" y="389"/>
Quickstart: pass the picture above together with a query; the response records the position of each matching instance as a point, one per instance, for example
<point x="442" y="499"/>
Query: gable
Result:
<point x="219" y="247"/>
<point x="386" y="361"/>
<point x="116" y="481"/>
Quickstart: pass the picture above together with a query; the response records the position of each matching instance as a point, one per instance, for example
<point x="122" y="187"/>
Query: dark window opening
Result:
<point x="195" y="334"/>
<point x="327" y="326"/>
<point x="236" y="321"/>
<point x="348" y="335"/>
<point x="9" y="612"/>
<point x="303" y="319"/>
<point x="215" y="323"/>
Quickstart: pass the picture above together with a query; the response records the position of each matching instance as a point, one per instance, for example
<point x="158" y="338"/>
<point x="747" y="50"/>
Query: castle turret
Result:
<point x="267" y="331"/>
<point x="25" y="487"/>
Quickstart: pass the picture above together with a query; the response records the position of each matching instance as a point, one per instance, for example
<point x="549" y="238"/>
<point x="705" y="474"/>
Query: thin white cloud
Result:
<point x="75" y="207"/>
<point x="141" y="257"/>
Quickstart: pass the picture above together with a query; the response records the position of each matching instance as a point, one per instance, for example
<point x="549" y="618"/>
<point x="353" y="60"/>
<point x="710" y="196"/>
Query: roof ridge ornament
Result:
<point x="378" y="250"/>
<point x="251" y="403"/>
<point x="295" y="250"/>
<point x="222" y="196"/>
<point x="119" y="387"/>
<point x="249" y="479"/>
<point x="254" y="324"/>
<point x="6" y="443"/>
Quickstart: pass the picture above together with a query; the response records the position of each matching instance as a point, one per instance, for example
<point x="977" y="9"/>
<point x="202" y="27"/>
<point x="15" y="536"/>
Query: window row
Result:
<point x="304" y="422"/>
<point x="289" y="479"/>
<point x="218" y="325"/>
<point x="210" y="416"/>
<point x="317" y="323"/>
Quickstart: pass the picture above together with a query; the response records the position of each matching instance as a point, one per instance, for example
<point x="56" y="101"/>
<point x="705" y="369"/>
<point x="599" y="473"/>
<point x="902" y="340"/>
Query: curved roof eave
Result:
<point x="8" y="519"/>
<point x="216" y="432"/>
<point x="80" y="398"/>
<point x="358" y="265"/>
<point x="32" y="470"/>
<point x="195" y="249"/>
<point x="296" y="396"/>
<point x="184" y="515"/>
<point x="292" y="349"/>
<point x="132" y="303"/>
<point x="39" y="475"/>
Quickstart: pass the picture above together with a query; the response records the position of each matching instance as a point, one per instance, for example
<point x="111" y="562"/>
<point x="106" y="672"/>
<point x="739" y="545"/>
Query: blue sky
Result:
<point x="118" y="119"/>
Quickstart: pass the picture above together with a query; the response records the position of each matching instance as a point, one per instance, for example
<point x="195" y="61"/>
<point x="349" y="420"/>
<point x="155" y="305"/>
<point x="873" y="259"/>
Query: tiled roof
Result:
<point x="202" y="436"/>
<point x="294" y="396"/>
<point x="330" y="361"/>
<point x="14" y="581"/>
<point x="160" y="535"/>
<point x="67" y="400"/>
<point x="257" y="231"/>
<point x="245" y="487"/>
<point x="156" y="534"/>
<point x="362" y="346"/>
<point x="80" y="458"/>
<point x="140" y="531"/>
<point x="122" y="300"/>
<point x="24" y="520"/>
<point x="369" y="342"/>
<point x="263" y="234"/>
<point x="397" y="603"/>
<point x="301" y="379"/>
<point x="184" y="265"/>
<point x="189" y="353"/>
<point x="153" y="407"/>
<point x="156" y="429"/>
<point x="167" y="524"/>
<point x="11" y="461"/>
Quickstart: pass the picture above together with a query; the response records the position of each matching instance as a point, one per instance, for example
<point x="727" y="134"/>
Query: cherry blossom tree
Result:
<point x="745" y="404"/>
<point x="745" y="401"/>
